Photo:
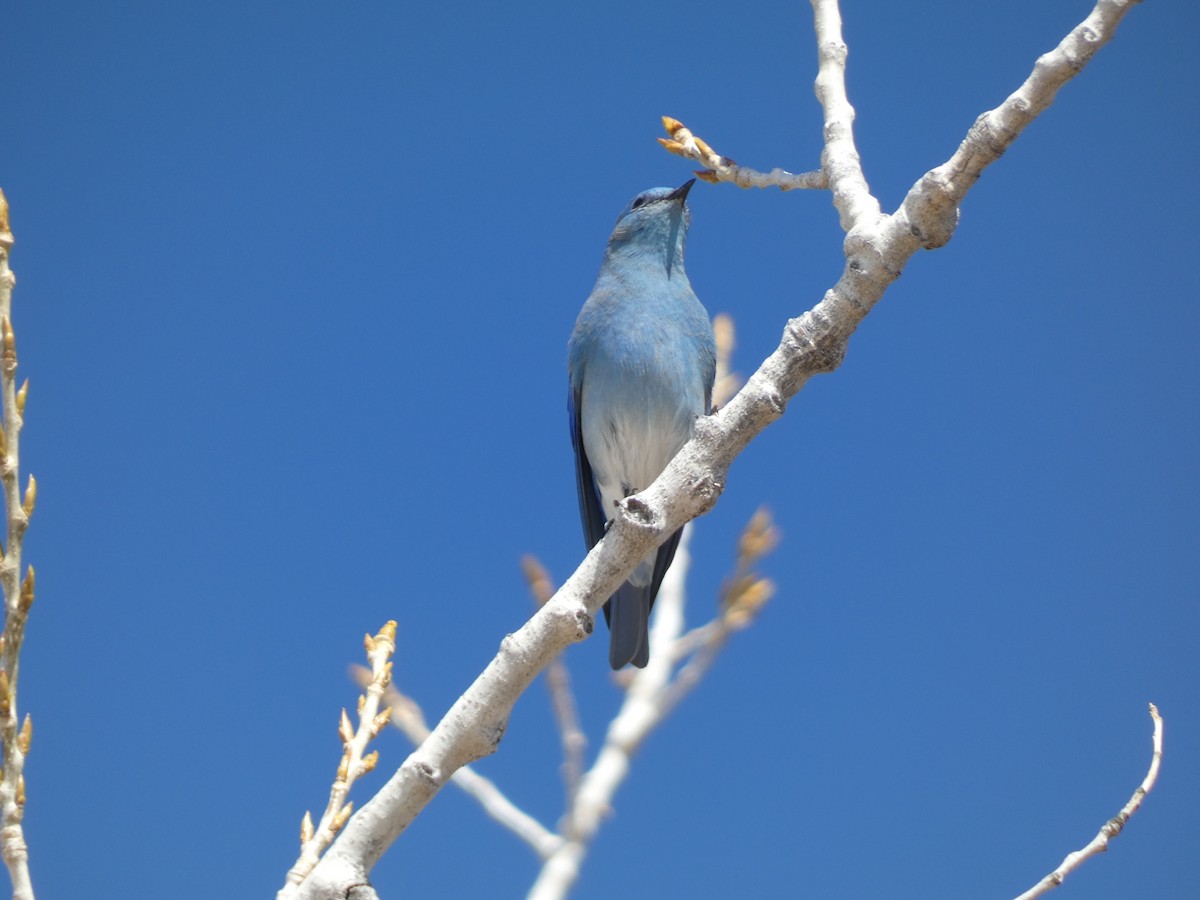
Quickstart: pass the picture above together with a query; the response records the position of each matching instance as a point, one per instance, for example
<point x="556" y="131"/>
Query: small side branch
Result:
<point x="1112" y="827"/>
<point x="931" y="206"/>
<point x="718" y="168"/>
<point x="652" y="693"/>
<point x="558" y="682"/>
<point x="839" y="160"/>
<point x="355" y="761"/>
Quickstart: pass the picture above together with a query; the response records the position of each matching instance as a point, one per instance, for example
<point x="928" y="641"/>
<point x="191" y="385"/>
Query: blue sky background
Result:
<point x="295" y="283"/>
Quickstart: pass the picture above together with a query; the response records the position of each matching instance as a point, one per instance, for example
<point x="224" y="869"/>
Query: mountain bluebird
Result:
<point x="641" y="362"/>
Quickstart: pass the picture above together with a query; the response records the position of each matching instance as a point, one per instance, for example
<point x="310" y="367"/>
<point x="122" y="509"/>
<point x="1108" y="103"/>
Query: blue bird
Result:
<point x="641" y="363"/>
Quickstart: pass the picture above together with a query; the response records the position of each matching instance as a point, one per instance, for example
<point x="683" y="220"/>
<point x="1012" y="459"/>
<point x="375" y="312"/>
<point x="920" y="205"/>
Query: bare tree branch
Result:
<point x="355" y="761"/>
<point x="1112" y="827"/>
<point x="15" y="737"/>
<point x="718" y="168"/>
<point x="638" y="716"/>
<point x="410" y="720"/>
<point x="558" y="683"/>
<point x="649" y="698"/>
<point x="653" y="693"/>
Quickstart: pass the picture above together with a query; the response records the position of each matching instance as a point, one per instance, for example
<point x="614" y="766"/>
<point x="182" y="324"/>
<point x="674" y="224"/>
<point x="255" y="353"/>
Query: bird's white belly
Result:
<point x="629" y="450"/>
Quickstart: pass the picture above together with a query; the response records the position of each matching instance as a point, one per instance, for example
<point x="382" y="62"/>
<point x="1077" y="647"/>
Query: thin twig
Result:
<point x="727" y="382"/>
<point x="562" y="697"/>
<point x="1112" y="827"/>
<point x="653" y="693"/>
<point x="355" y="761"/>
<point x="743" y="597"/>
<point x="18" y="593"/>
<point x="637" y="717"/>
<point x="718" y="168"/>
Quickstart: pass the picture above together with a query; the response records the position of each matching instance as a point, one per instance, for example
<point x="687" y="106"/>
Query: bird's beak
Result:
<point x="680" y="193"/>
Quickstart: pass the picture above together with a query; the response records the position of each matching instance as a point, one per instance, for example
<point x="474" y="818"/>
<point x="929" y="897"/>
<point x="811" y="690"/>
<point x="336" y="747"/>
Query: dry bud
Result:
<point x="380" y="720"/>
<point x="383" y="677"/>
<point x="345" y="729"/>
<point x="306" y="828"/>
<point x="26" y="600"/>
<point x="673" y="146"/>
<point x="369" y="762"/>
<point x="340" y="819"/>
<point x="706" y="175"/>
<point x="6" y="238"/>
<point x="10" y="342"/>
<point x="759" y="538"/>
<point x="537" y="578"/>
<point x="749" y="602"/>
<point x="21" y="395"/>
<point x="30" y="496"/>
<point x="25" y="736"/>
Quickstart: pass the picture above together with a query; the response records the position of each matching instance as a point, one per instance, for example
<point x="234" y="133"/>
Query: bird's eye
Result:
<point x="638" y="201"/>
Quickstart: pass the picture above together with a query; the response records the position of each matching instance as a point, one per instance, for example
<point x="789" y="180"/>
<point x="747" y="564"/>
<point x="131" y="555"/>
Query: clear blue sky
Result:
<point x="295" y="283"/>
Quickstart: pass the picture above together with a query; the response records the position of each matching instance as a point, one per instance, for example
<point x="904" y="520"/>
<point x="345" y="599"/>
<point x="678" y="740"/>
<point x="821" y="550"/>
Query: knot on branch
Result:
<point x="640" y="515"/>
<point x="574" y="619"/>
<point x="991" y="134"/>
<point x="478" y="742"/>
<point x="817" y="341"/>
<point x="493" y="734"/>
<point x="426" y="772"/>
<point x="706" y="488"/>
<point x="931" y="209"/>
<point x="584" y="624"/>
<point x="834" y="51"/>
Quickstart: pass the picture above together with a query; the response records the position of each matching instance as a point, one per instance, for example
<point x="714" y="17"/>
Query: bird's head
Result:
<point x="654" y="225"/>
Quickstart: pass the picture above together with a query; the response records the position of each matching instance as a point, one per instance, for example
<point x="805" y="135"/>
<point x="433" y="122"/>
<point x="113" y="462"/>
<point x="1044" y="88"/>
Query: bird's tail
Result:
<point x="629" y="620"/>
<point x="628" y="610"/>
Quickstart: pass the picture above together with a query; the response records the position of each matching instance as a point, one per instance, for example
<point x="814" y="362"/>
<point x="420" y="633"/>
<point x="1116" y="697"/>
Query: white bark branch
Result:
<point x="655" y="690"/>
<point x="641" y="712"/>
<point x="409" y="719"/>
<point x="15" y="737"/>
<point x="839" y="159"/>
<point x="1112" y="827"/>
<point x="718" y="168"/>
<point x="355" y="761"/>
<point x="877" y="248"/>
<point x="558" y="684"/>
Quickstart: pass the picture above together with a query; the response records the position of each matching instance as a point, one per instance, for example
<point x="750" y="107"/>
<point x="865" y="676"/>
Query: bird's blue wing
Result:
<point x="589" y="499"/>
